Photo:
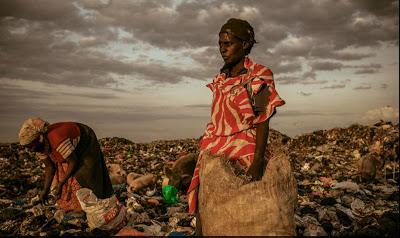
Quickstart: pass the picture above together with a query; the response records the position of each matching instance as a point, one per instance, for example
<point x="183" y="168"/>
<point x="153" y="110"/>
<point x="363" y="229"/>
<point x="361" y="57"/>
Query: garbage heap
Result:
<point x="332" y="199"/>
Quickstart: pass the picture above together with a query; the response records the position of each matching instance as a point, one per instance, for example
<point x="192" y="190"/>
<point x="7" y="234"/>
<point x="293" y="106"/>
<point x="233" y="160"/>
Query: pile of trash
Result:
<point x="136" y="171"/>
<point x="333" y="198"/>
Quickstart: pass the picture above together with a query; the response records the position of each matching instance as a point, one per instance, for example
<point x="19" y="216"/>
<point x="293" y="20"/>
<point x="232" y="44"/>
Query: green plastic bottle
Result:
<point x="170" y="194"/>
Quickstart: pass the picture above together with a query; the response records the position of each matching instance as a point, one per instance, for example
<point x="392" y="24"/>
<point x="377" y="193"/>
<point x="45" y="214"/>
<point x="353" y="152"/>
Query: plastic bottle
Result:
<point x="170" y="194"/>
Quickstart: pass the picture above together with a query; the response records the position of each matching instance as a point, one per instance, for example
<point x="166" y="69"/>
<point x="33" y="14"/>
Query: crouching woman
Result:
<point x="72" y="158"/>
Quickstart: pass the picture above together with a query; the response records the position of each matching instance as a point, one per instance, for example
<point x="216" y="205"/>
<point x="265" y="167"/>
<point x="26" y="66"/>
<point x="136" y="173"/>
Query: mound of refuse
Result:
<point x="333" y="199"/>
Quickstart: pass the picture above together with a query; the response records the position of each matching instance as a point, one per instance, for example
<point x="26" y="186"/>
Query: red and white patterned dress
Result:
<point x="64" y="138"/>
<point x="231" y="130"/>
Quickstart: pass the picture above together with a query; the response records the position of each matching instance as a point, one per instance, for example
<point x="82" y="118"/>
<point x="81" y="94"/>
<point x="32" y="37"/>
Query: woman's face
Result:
<point x="231" y="49"/>
<point x="36" y="146"/>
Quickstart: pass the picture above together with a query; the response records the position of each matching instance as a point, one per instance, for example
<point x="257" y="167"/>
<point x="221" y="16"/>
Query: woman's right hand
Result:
<point x="43" y="196"/>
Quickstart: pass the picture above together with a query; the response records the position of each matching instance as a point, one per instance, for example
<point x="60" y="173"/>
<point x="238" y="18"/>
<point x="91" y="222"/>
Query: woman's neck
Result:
<point x="237" y="69"/>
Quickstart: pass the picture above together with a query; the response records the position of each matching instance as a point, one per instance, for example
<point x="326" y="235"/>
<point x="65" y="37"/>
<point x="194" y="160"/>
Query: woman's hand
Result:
<point x="256" y="170"/>
<point x="43" y="196"/>
<point x="49" y="171"/>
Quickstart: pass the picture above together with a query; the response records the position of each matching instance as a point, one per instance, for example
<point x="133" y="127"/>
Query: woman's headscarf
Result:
<point x="240" y="29"/>
<point x="32" y="129"/>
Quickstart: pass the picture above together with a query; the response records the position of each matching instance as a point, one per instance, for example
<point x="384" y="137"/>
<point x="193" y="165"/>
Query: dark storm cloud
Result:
<point x="48" y="60"/>
<point x="331" y="66"/>
<point x="366" y="71"/>
<point x="327" y="66"/>
<point x="337" y="27"/>
<point x="379" y="8"/>
<point x="287" y="79"/>
<point x="287" y="67"/>
<point x="366" y="66"/>
<point x="40" y="10"/>
<point x="307" y="78"/>
<point x="56" y="41"/>
<point x="161" y="73"/>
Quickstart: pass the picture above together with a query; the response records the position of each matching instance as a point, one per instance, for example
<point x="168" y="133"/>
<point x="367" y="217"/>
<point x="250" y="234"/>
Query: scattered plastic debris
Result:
<point x="332" y="200"/>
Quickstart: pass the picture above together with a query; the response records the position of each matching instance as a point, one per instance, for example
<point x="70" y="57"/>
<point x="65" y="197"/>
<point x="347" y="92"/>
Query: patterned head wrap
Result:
<point x="32" y="129"/>
<point x="240" y="29"/>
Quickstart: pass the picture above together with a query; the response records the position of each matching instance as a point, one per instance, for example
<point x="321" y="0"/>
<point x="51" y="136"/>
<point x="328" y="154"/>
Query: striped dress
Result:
<point x="64" y="138"/>
<point x="231" y="131"/>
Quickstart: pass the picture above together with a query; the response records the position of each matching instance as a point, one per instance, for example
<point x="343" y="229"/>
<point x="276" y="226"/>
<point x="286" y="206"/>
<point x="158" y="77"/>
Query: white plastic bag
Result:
<point x="105" y="214"/>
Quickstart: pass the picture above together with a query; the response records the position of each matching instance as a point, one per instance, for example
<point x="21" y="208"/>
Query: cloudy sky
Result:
<point x="138" y="69"/>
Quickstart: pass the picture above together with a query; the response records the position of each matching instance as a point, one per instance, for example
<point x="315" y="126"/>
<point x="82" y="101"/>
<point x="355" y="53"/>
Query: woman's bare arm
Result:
<point x="256" y="169"/>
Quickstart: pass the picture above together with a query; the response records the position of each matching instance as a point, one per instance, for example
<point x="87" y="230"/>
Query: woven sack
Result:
<point x="228" y="205"/>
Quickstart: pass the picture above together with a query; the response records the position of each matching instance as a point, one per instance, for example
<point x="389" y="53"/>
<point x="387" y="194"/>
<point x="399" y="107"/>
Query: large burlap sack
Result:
<point x="105" y="214"/>
<point x="228" y="205"/>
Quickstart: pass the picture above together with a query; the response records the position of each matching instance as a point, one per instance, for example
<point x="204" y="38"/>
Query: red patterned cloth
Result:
<point x="68" y="200"/>
<point x="63" y="138"/>
<point x="231" y="131"/>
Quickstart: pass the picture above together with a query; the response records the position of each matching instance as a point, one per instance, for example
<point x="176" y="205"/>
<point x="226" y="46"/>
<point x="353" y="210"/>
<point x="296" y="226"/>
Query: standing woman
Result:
<point x="72" y="157"/>
<point x="244" y="99"/>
